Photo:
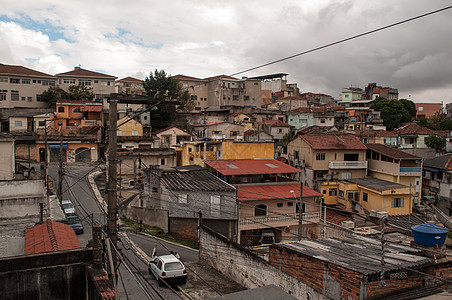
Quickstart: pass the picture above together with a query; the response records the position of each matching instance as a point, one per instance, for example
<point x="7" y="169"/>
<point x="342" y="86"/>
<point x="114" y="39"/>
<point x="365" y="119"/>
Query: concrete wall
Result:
<point x="19" y="199"/>
<point x="55" y="275"/>
<point x="246" y="268"/>
<point x="6" y="159"/>
<point x="149" y="216"/>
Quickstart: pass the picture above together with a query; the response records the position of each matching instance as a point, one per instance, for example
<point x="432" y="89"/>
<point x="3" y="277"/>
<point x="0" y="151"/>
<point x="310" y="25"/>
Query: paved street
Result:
<point x="134" y="281"/>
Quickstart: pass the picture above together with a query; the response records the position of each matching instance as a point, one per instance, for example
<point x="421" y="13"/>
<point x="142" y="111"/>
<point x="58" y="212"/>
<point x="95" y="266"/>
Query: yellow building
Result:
<point x="131" y="128"/>
<point x="370" y="194"/>
<point x="195" y="153"/>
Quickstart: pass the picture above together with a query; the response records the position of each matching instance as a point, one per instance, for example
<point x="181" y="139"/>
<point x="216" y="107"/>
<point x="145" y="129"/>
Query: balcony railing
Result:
<point x="334" y="164"/>
<point x="278" y="218"/>
<point x="410" y="169"/>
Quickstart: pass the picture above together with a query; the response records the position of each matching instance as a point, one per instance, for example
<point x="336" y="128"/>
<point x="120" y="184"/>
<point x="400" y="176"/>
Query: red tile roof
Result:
<point x="131" y="79"/>
<point x="391" y="152"/>
<point x="273" y="191"/>
<point x="333" y="142"/>
<point x="50" y="236"/>
<point x="168" y="128"/>
<point x="20" y="70"/>
<point x="250" y="166"/>
<point x="292" y="98"/>
<point x="384" y="133"/>
<point x="79" y="72"/>
<point x="413" y="128"/>
<point x="275" y="123"/>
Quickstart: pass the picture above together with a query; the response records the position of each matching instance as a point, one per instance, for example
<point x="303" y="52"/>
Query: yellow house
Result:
<point x="370" y="194"/>
<point x="243" y="119"/>
<point x="131" y="128"/>
<point x="195" y="153"/>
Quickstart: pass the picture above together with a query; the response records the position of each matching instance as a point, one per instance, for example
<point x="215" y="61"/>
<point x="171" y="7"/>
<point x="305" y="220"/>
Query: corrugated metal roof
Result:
<point x="273" y="191"/>
<point x="250" y="166"/>
<point x="194" y="180"/>
<point x="358" y="253"/>
<point x="391" y="152"/>
<point x="376" y="184"/>
<point x="50" y="236"/>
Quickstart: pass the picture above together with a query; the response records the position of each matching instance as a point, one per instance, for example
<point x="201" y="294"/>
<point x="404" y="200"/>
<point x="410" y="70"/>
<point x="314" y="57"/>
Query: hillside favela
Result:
<point x="246" y="185"/>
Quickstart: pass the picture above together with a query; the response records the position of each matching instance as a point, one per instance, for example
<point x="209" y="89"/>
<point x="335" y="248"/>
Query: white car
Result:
<point x="68" y="207"/>
<point x="168" y="268"/>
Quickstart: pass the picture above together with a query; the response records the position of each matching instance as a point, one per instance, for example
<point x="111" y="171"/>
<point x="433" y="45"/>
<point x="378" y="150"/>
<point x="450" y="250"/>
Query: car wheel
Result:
<point x="160" y="282"/>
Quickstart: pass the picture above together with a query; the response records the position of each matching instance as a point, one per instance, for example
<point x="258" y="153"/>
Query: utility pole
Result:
<point x="300" y="213"/>
<point x="112" y="177"/>
<point x="60" y="171"/>
<point x="46" y="167"/>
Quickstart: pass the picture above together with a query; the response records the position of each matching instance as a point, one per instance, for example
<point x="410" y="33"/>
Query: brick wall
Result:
<point x="246" y="268"/>
<point x="184" y="228"/>
<point x="374" y="288"/>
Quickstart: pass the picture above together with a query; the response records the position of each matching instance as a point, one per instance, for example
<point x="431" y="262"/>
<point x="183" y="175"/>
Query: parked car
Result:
<point x="68" y="207"/>
<point x="75" y="223"/>
<point x="168" y="268"/>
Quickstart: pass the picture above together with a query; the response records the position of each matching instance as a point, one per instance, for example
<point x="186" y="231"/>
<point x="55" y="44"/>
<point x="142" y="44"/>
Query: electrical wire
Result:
<point x="343" y="40"/>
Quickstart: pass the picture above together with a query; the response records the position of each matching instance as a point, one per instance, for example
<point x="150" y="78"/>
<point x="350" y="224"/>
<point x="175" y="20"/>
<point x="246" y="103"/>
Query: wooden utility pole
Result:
<point x="112" y="176"/>
<point x="300" y="213"/>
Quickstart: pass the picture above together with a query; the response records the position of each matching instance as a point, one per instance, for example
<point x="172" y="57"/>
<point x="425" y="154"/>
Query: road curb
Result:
<point x="100" y="200"/>
<point x="170" y="242"/>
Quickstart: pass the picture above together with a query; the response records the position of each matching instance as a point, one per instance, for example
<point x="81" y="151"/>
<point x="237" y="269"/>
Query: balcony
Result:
<point x="410" y="169"/>
<point x="335" y="165"/>
<point x="249" y="223"/>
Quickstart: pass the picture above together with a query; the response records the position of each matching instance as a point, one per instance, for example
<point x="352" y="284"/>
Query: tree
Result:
<point x="410" y="107"/>
<point x="162" y="87"/>
<point x="436" y="142"/>
<point x="394" y="112"/>
<point x="187" y="104"/>
<point x="52" y="95"/>
<point x="80" y="92"/>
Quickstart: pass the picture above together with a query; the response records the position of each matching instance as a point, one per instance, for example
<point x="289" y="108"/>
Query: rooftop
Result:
<point x="250" y="166"/>
<point x="376" y="184"/>
<point x="443" y="162"/>
<point x="194" y="180"/>
<point x="20" y="70"/>
<point x="333" y="142"/>
<point x="392" y="152"/>
<point x="79" y="72"/>
<point x="413" y="128"/>
<point x="131" y="79"/>
<point x="273" y="191"/>
<point x="348" y="252"/>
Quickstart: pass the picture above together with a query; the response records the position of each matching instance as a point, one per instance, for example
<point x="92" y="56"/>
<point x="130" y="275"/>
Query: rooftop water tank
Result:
<point x="429" y="234"/>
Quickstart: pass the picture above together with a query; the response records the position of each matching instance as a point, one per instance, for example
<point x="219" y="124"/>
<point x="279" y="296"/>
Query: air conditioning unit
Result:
<point x="348" y="224"/>
<point x="382" y="214"/>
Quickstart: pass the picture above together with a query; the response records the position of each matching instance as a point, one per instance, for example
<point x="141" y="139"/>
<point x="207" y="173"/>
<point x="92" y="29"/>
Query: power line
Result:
<point x="343" y="40"/>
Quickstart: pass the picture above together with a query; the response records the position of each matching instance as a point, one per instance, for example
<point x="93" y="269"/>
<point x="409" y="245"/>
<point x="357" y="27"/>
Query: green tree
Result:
<point x="187" y="104"/>
<point x="393" y="112"/>
<point x="436" y="142"/>
<point x="80" y="92"/>
<point x="162" y="87"/>
<point x="410" y="107"/>
<point x="52" y="95"/>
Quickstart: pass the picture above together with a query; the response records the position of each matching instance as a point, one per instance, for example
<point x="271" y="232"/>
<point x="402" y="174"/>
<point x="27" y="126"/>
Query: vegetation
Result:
<point x="394" y="112"/>
<point x="436" y="142"/>
<point x="76" y="92"/>
<point x="158" y="232"/>
<point x="288" y="137"/>
<point x="437" y="122"/>
<point x="162" y="87"/>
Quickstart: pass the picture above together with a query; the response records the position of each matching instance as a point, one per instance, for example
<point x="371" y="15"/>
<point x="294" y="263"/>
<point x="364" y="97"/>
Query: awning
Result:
<point x="96" y="108"/>
<point x="57" y="146"/>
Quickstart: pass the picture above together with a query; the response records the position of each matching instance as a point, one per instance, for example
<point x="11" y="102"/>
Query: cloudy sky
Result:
<point x="204" y="38"/>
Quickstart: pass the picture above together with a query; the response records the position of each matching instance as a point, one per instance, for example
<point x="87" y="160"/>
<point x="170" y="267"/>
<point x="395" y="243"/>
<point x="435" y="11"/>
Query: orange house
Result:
<point x="77" y="117"/>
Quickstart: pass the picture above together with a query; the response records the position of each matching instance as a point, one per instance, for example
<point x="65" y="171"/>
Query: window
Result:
<point x="279" y="130"/>
<point x="14" y="80"/>
<point x="155" y="189"/>
<point x="279" y="204"/>
<point x="346" y="175"/>
<point x="119" y="133"/>
<point x="256" y="83"/>
<point x="25" y="81"/>
<point x="38" y="98"/>
<point x="341" y="194"/>
<point x="397" y="202"/>
<point x="297" y="208"/>
<point x="60" y="123"/>
<point x="324" y="192"/>
<point x="235" y="97"/>
<point x="162" y="161"/>
<point x="96" y="81"/>
<point x="42" y="123"/>
<point x="246" y="98"/>
<point x="61" y="109"/>
<point x="134" y="132"/>
<point x="69" y="81"/>
<point x="421" y="108"/>
<point x="194" y="97"/>
<point x="215" y="205"/>
<point x="3" y="95"/>
<point x="322" y="121"/>
<point x="182" y="198"/>
<point x="76" y="109"/>
<point x="332" y="192"/>
<point x="351" y="157"/>
<point x="84" y="82"/>
<point x="14" y="95"/>
<point x="365" y="197"/>
<point x="3" y="79"/>
<point x="23" y="98"/>
<point x="296" y="154"/>
<point x="18" y="123"/>
<point x="320" y="156"/>
<point x="260" y="210"/>
<point x="29" y="98"/>
<point x="234" y="133"/>
<point x="48" y="82"/>
<point x="289" y="203"/>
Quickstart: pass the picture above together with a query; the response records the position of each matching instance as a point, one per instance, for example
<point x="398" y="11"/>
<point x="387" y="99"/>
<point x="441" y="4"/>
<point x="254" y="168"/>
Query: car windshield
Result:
<point x="67" y="205"/>
<point x="73" y="220"/>
<point x="173" y="266"/>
